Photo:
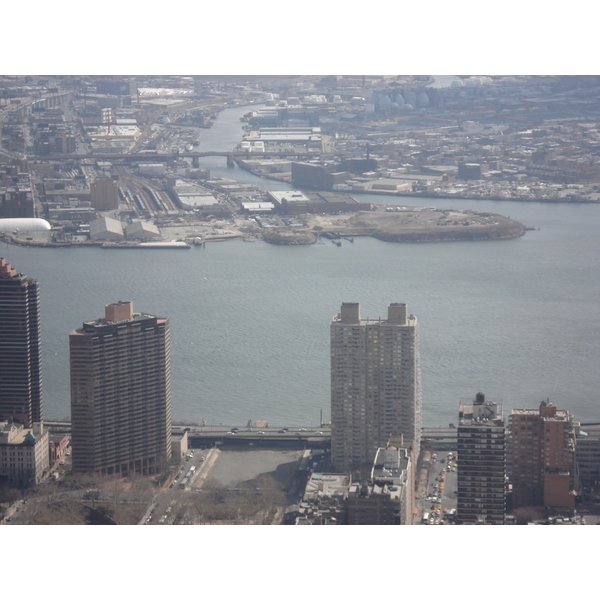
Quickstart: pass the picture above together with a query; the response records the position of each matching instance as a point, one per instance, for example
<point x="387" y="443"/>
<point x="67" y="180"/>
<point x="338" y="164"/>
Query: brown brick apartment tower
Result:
<point x="543" y="458"/>
<point x="121" y="393"/>
<point x="20" y="348"/>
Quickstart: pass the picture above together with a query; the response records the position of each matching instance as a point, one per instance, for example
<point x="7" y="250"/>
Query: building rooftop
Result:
<point x="16" y="434"/>
<point x="481" y="412"/>
<point x="327" y="485"/>
<point x="390" y="465"/>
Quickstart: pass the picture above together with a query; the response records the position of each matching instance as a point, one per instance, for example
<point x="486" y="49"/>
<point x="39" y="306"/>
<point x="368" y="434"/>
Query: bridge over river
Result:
<point x="231" y="157"/>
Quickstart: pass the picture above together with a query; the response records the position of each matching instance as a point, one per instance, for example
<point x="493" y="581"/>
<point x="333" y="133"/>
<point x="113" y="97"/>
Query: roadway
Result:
<point x="439" y="498"/>
<point x="213" y="433"/>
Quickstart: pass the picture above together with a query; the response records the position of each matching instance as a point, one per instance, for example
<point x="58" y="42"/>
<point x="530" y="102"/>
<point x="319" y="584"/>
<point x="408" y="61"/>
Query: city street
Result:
<point x="440" y="496"/>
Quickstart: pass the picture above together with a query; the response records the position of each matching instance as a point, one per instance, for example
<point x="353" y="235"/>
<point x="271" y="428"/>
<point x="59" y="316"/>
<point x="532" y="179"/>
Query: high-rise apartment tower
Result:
<point x="481" y="469"/>
<point x="20" y="348"/>
<point x="542" y="457"/>
<point x="121" y="393"/>
<point x="375" y="384"/>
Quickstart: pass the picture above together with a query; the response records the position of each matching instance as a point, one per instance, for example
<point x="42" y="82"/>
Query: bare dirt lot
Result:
<point x="418" y="226"/>
<point x="234" y="467"/>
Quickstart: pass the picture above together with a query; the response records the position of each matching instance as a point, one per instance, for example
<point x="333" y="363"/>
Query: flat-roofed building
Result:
<point x="121" y="393"/>
<point x="481" y="459"/>
<point x="542" y="457"/>
<point x="324" y="499"/>
<point x="295" y="202"/>
<point x="587" y="454"/>
<point x="104" y="194"/>
<point x="307" y="136"/>
<point x="20" y="347"/>
<point x="152" y="169"/>
<point x="388" y="498"/>
<point x="292" y="201"/>
<point x="317" y="176"/>
<point x="253" y="208"/>
<point x="375" y="384"/>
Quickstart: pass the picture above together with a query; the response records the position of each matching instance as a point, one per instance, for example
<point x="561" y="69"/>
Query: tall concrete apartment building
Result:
<point x="481" y="469"/>
<point x="20" y="347"/>
<point x="542" y="457"/>
<point x="375" y="385"/>
<point x="121" y="393"/>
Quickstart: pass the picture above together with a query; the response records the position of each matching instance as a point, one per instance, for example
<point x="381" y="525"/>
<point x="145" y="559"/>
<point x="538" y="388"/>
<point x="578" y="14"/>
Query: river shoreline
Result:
<point x="427" y="194"/>
<point x="416" y="226"/>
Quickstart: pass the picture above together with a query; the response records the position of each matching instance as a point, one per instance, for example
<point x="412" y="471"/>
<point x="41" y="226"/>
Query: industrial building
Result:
<point x="193" y="196"/>
<point x="481" y="469"/>
<point x="307" y="136"/>
<point x="295" y="202"/>
<point x="317" y="176"/>
<point x="24" y="224"/>
<point x="121" y="393"/>
<point x="20" y="347"/>
<point x="141" y="230"/>
<point x="107" y="229"/>
<point x="104" y="194"/>
<point x="375" y="384"/>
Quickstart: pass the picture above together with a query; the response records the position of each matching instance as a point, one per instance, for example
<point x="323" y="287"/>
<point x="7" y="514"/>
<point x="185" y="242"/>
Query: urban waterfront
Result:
<point x="516" y="319"/>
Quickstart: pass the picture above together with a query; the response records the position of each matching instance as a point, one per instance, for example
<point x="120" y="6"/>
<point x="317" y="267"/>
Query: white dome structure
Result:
<point x="24" y="224"/>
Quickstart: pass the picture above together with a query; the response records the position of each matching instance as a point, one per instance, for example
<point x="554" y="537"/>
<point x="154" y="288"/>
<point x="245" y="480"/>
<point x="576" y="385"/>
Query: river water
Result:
<point x="516" y="319"/>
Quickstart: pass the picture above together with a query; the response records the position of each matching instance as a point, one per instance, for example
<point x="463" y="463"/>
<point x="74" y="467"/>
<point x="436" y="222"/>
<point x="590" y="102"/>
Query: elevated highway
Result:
<point x="434" y="438"/>
<point x="221" y="435"/>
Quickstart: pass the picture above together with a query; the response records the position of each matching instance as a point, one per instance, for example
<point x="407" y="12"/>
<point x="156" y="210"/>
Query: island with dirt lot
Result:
<point x="386" y="223"/>
<point x="389" y="225"/>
